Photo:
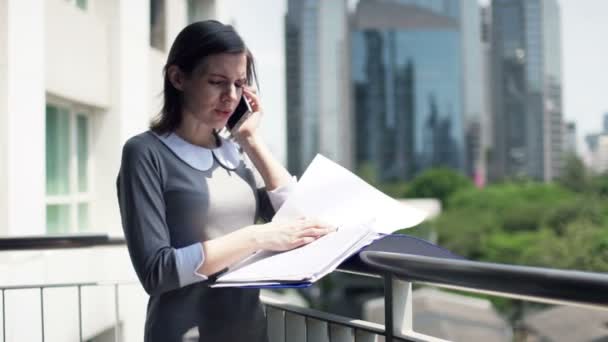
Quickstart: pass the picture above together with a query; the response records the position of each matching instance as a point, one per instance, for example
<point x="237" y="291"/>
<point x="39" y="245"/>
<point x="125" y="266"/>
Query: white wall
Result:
<point x="76" y="46"/>
<point x="22" y="108"/>
<point x="3" y="117"/>
<point x="99" y="58"/>
<point x="128" y="112"/>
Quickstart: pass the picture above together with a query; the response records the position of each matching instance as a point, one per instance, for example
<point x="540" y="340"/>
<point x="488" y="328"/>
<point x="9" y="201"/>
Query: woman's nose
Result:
<point x="232" y="93"/>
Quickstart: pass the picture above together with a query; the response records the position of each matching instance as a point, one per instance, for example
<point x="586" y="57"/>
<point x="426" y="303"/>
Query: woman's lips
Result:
<point x="223" y="113"/>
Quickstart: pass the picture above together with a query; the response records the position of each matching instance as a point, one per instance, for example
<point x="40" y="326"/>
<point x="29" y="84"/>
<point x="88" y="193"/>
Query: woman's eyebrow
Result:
<point x="226" y="77"/>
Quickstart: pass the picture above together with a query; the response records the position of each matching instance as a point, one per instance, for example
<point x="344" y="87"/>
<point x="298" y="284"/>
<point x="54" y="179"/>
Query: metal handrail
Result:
<point x="38" y="242"/>
<point x="430" y="264"/>
<point x="564" y="285"/>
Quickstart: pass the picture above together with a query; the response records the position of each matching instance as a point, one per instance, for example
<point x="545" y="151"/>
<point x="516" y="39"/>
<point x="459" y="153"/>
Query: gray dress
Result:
<point x="166" y="204"/>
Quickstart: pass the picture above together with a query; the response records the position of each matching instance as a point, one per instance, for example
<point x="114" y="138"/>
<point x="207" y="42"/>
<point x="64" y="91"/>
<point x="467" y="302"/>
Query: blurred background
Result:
<point x="490" y="115"/>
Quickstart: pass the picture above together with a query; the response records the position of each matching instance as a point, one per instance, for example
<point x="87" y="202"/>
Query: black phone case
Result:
<point x="242" y="109"/>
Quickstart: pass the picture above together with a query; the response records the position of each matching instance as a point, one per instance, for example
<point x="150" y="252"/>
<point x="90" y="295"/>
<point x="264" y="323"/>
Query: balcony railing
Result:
<point x="285" y="322"/>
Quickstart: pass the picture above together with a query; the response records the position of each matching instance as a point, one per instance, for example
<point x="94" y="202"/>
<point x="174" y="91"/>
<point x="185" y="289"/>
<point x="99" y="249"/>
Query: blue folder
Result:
<point x="396" y="243"/>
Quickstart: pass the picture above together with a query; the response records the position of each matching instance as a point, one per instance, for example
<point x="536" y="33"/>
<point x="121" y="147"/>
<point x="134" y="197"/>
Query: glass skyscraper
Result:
<point x="318" y="111"/>
<point x="528" y="129"/>
<point x="411" y="99"/>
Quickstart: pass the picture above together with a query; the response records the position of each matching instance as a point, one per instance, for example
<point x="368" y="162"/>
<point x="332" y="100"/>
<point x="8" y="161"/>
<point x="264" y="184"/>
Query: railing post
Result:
<point x="116" y="313"/>
<point x="3" y="317"/>
<point x="398" y="313"/>
<point x="403" y="314"/>
<point x="388" y="307"/>
<point x="79" y="313"/>
<point x="42" y="311"/>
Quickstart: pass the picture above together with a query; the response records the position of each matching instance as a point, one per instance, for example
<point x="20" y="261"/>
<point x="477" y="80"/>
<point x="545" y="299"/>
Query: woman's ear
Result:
<point x="176" y="77"/>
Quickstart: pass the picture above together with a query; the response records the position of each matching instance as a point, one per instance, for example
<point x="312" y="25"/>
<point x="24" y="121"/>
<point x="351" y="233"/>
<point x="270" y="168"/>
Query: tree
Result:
<point x="574" y="174"/>
<point x="438" y="183"/>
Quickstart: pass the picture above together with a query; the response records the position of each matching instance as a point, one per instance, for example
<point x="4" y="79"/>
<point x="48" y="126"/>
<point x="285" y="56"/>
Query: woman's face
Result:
<point x="213" y="89"/>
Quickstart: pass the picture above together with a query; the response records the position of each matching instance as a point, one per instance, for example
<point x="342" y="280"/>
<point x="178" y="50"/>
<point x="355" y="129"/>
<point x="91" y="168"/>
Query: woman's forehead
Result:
<point x="230" y="65"/>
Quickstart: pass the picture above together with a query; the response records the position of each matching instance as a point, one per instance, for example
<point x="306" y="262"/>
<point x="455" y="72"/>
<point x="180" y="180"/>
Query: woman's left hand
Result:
<point x="248" y="127"/>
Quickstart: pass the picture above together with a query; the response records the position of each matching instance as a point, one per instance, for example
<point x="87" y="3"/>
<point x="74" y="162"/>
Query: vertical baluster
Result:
<point x="364" y="336"/>
<point x="276" y="325"/>
<point x="116" y="313"/>
<point x="295" y="327"/>
<point x="341" y="333"/>
<point x="306" y="328"/>
<point x="317" y="330"/>
<point x="3" y="318"/>
<point x="42" y="311"/>
<point x="388" y="307"/>
<point x="403" y="314"/>
<point x="80" y="313"/>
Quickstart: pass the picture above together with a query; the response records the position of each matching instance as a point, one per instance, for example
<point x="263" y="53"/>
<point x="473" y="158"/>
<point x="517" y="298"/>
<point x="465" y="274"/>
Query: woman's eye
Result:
<point x="215" y="82"/>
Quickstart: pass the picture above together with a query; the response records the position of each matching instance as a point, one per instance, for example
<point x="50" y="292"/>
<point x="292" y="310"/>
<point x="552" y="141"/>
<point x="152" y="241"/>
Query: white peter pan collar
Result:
<point x="200" y="158"/>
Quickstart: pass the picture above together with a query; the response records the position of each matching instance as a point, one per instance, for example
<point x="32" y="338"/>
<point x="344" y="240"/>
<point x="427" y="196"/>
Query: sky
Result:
<point x="584" y="59"/>
<point x="585" y="64"/>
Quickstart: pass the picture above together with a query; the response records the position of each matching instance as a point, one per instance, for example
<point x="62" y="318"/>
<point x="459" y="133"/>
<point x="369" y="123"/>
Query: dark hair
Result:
<point x="191" y="46"/>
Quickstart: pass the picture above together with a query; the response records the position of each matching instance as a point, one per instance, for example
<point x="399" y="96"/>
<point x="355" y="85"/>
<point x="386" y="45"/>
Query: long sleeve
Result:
<point x="268" y="201"/>
<point x="159" y="266"/>
<point x="279" y="195"/>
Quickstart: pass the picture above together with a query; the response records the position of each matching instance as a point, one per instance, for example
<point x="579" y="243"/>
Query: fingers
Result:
<point x="303" y="241"/>
<point x="253" y="99"/>
<point x="306" y="223"/>
<point x="312" y="228"/>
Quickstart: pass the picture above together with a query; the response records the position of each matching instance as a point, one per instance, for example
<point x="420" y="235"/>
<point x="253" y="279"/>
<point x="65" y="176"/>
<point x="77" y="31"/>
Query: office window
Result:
<point x="157" y="24"/>
<point x="68" y="190"/>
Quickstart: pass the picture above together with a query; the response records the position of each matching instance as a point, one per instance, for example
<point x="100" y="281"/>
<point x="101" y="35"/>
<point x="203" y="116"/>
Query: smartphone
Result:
<point x="241" y="113"/>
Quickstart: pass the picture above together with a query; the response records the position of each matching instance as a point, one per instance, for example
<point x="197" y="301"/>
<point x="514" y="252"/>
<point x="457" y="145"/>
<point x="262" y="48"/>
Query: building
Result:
<point x="77" y="79"/>
<point x="597" y="145"/>
<point x="487" y="134"/>
<point x="570" y="138"/>
<point x="413" y="108"/>
<point x="318" y="109"/>
<point x="527" y="89"/>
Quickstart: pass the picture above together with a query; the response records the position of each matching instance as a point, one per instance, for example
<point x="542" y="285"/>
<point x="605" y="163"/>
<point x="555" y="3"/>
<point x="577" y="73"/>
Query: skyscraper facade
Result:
<point x="528" y="126"/>
<point x="409" y="67"/>
<point x="570" y="138"/>
<point x="318" y="111"/>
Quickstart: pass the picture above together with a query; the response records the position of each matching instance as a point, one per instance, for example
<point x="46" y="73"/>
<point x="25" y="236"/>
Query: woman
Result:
<point x="190" y="197"/>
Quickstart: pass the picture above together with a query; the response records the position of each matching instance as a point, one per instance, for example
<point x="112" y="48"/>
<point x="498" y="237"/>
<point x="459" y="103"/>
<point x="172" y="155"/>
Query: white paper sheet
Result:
<point x="329" y="192"/>
<point x="333" y="194"/>
<point x="301" y="263"/>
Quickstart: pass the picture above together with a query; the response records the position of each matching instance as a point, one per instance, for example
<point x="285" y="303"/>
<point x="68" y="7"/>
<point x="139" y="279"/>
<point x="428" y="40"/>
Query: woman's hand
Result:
<point x="284" y="236"/>
<point x="246" y="130"/>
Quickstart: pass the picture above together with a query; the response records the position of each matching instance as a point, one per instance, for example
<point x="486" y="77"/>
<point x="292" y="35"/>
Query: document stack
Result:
<point x="331" y="193"/>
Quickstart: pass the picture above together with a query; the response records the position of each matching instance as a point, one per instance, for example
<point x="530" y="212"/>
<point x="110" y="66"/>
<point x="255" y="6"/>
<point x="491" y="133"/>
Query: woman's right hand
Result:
<point x="283" y="236"/>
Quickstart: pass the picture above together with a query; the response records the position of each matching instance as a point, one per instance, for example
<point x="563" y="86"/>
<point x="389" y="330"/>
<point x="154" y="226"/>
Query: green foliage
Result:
<point x="395" y="189"/>
<point x="574" y="175"/>
<point x="529" y="224"/>
<point x="505" y="196"/>
<point x="561" y="224"/>
<point x="463" y="231"/>
<point x="438" y="183"/>
<point x="579" y="208"/>
<point x="367" y="171"/>
<point x="507" y="246"/>
<point x="599" y="185"/>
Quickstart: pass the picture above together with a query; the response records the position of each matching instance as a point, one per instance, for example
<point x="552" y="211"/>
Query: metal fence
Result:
<point x="398" y="271"/>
